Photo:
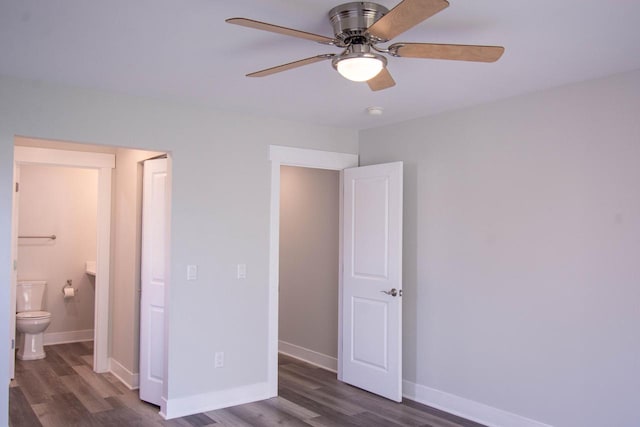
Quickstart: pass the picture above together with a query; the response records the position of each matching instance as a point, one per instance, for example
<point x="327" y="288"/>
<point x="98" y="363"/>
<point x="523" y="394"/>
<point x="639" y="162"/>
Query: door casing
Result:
<point x="104" y="164"/>
<point x="289" y="156"/>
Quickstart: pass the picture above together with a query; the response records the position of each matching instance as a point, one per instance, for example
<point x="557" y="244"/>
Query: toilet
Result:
<point x="31" y="321"/>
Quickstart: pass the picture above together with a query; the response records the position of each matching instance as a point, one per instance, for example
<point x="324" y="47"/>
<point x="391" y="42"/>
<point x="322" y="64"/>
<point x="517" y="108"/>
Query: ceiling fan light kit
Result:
<point x="359" y="27"/>
<point x="359" y="64"/>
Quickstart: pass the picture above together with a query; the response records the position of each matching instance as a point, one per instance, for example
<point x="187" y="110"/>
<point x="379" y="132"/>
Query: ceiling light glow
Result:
<point x="359" y="69"/>
<point x="359" y="63"/>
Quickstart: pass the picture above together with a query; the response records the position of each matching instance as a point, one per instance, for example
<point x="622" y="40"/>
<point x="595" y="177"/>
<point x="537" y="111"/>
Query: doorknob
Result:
<point x="393" y="292"/>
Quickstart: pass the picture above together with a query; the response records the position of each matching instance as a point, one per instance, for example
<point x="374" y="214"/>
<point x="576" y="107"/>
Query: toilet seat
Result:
<point x="34" y="315"/>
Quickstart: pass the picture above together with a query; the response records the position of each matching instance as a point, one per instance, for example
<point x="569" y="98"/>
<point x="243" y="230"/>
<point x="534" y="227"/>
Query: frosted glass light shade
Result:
<point x="359" y="69"/>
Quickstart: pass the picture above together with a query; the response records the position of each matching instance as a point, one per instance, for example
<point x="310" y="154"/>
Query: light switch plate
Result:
<point x="218" y="361"/>
<point x="192" y="272"/>
<point x="242" y="271"/>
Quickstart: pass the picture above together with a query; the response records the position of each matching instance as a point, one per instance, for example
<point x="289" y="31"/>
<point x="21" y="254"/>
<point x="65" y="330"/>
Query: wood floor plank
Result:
<point x="87" y="395"/>
<point x="441" y="414"/>
<point x="291" y="408"/>
<point x="64" y="410"/>
<point x="199" y="420"/>
<point x="145" y="410"/>
<point x="291" y="380"/>
<point x="259" y="414"/>
<point x="123" y="416"/>
<point x="310" y="373"/>
<point x="224" y="418"/>
<point x="21" y="414"/>
<point x="67" y="354"/>
<point x="87" y="359"/>
<point x="331" y="400"/>
<point x="102" y="386"/>
<point x="30" y="385"/>
<point x="373" y="420"/>
<point x="58" y="364"/>
<point x="320" y="408"/>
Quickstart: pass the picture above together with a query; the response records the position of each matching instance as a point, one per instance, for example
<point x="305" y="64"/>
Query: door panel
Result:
<point x="370" y="343"/>
<point x="370" y="217"/>
<point x="372" y="252"/>
<point x="154" y="230"/>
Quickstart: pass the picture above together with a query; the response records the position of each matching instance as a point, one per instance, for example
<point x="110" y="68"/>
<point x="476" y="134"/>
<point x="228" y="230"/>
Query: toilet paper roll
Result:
<point x="69" y="293"/>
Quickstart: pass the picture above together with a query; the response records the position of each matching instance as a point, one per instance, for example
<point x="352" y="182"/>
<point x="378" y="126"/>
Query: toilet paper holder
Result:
<point x="67" y="286"/>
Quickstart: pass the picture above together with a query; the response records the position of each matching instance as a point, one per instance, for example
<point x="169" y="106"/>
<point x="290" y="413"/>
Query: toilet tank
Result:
<point x="30" y="295"/>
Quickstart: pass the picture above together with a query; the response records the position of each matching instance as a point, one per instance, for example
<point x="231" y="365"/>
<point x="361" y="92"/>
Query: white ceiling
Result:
<point x="182" y="50"/>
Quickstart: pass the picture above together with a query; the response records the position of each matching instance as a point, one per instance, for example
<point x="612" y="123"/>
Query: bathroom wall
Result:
<point x="60" y="201"/>
<point x="309" y="214"/>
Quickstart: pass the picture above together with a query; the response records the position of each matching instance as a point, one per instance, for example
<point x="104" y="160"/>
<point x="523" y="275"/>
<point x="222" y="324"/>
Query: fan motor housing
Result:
<point x="351" y="20"/>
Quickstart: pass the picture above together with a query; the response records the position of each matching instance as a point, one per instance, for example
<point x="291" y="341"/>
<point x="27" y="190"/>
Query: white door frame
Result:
<point x="103" y="163"/>
<point x="289" y="156"/>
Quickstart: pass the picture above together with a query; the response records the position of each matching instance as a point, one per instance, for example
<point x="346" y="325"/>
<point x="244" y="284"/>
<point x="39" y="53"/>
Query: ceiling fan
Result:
<point x="358" y="29"/>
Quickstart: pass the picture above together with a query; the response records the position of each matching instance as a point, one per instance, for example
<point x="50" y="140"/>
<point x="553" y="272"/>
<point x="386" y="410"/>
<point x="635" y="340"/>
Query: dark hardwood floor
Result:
<point x="62" y="391"/>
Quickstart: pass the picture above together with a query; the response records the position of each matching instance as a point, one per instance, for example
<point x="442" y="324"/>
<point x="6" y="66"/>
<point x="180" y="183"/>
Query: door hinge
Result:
<point x="13" y="344"/>
<point x="17" y="187"/>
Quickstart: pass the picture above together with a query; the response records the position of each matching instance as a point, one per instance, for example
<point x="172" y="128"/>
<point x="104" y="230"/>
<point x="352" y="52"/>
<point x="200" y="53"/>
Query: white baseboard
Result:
<point x="53" y="338"/>
<point x="466" y="408"/>
<point x="183" y="406"/>
<point x="128" y="378"/>
<point x="313" y="357"/>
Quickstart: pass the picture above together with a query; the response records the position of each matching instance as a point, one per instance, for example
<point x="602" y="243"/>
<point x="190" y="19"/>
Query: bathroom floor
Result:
<point x="62" y="390"/>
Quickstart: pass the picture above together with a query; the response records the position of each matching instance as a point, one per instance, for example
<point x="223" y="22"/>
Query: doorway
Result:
<point x="370" y="269"/>
<point x="103" y="163"/>
<point x="289" y="156"/>
<point x="309" y="245"/>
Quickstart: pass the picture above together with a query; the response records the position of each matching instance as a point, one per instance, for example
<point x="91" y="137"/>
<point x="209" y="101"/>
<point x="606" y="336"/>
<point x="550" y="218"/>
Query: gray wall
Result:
<point x="60" y="201"/>
<point x="220" y="214"/>
<point x="521" y="243"/>
<point x="309" y="214"/>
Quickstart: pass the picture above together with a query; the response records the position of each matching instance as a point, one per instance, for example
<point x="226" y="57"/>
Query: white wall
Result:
<point x="220" y="215"/>
<point x="60" y="201"/>
<point x="308" y="293"/>
<point x="521" y="243"/>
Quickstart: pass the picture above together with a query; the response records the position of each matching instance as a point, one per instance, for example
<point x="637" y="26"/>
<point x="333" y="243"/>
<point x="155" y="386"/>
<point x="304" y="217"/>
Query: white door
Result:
<point x="154" y="230"/>
<point x="14" y="271"/>
<point x="372" y="279"/>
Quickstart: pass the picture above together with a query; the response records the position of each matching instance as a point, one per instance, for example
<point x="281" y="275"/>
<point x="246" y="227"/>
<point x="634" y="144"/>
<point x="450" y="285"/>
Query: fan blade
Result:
<point x="406" y="14"/>
<point x="290" y="65"/>
<point x="382" y="81"/>
<point x="458" y="52"/>
<point x="280" y="30"/>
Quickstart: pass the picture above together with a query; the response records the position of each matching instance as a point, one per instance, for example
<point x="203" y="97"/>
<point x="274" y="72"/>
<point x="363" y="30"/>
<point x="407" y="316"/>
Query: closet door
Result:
<point x="152" y="313"/>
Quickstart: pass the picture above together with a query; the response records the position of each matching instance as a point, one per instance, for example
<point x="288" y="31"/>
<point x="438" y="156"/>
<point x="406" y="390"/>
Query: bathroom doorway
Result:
<point x="117" y="280"/>
<point x="103" y="164"/>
